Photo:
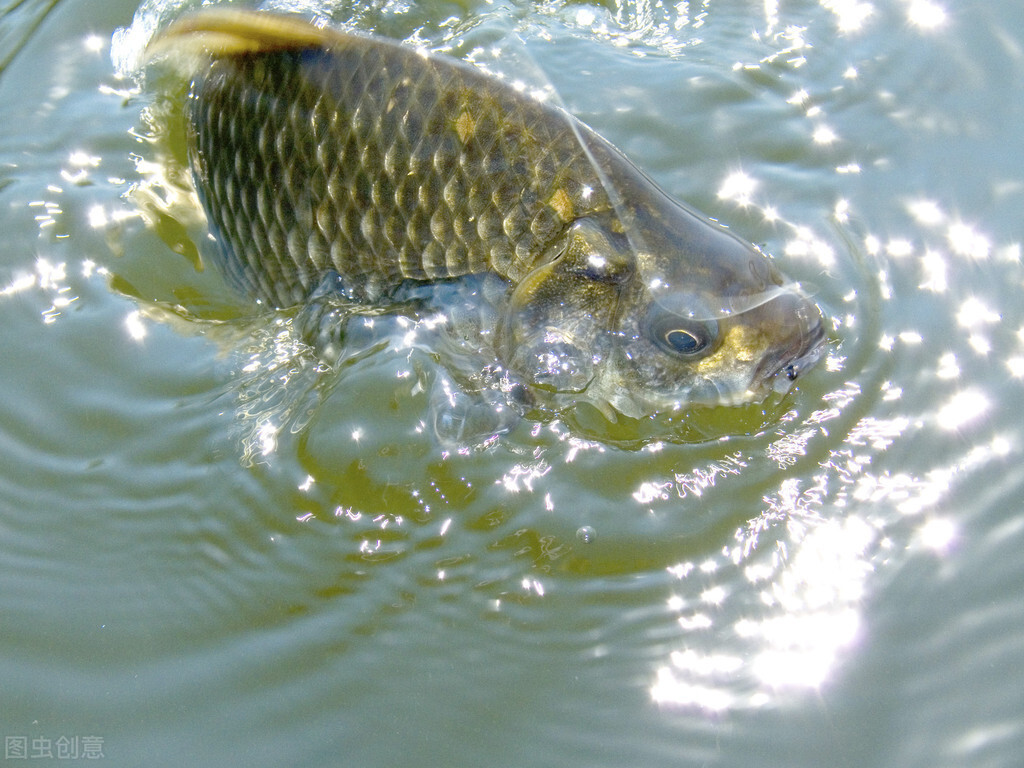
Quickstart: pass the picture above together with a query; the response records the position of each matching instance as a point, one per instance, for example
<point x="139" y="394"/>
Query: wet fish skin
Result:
<point x="319" y="152"/>
<point x="382" y="164"/>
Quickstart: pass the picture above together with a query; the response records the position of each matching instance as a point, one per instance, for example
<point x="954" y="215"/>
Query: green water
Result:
<point x="835" y="583"/>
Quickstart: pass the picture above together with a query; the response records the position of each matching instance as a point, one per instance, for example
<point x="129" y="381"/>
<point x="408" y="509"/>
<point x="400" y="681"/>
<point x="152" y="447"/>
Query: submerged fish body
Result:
<point x="318" y="154"/>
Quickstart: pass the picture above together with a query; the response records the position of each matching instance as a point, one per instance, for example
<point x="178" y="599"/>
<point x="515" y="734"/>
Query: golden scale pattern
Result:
<point x="382" y="164"/>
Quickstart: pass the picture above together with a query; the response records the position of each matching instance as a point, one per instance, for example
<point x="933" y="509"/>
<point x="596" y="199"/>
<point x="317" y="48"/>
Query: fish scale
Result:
<point x="326" y="159"/>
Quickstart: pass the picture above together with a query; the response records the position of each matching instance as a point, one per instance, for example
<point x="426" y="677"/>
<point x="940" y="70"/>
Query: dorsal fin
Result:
<point x="230" y="31"/>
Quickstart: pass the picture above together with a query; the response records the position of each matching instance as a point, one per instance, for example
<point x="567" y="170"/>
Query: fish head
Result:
<point x="685" y="314"/>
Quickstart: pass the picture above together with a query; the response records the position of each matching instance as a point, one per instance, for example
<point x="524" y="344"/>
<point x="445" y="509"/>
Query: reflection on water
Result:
<point x="808" y="556"/>
<point x="50" y="280"/>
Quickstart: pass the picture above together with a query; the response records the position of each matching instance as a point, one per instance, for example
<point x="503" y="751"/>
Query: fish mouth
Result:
<point x="800" y="352"/>
<point x="784" y="378"/>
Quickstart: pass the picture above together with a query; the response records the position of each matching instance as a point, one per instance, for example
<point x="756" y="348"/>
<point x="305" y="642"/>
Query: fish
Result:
<point x="329" y="157"/>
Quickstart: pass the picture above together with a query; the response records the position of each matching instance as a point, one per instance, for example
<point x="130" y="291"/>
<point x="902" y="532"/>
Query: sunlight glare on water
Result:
<point x="814" y="548"/>
<point x="925" y="14"/>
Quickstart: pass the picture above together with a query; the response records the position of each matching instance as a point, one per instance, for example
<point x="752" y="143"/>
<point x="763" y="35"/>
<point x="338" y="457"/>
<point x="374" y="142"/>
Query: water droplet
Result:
<point x="586" y="534"/>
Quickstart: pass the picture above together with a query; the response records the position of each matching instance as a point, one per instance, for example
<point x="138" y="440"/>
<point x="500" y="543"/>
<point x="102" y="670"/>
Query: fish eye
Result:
<point x="682" y="336"/>
<point x="684" y="341"/>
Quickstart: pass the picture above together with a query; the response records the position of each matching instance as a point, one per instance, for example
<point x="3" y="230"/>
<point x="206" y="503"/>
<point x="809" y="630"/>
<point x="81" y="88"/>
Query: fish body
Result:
<point x="320" y="153"/>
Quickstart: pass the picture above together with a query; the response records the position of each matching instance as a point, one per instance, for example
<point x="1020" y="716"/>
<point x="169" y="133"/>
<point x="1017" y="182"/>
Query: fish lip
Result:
<point x="801" y="357"/>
